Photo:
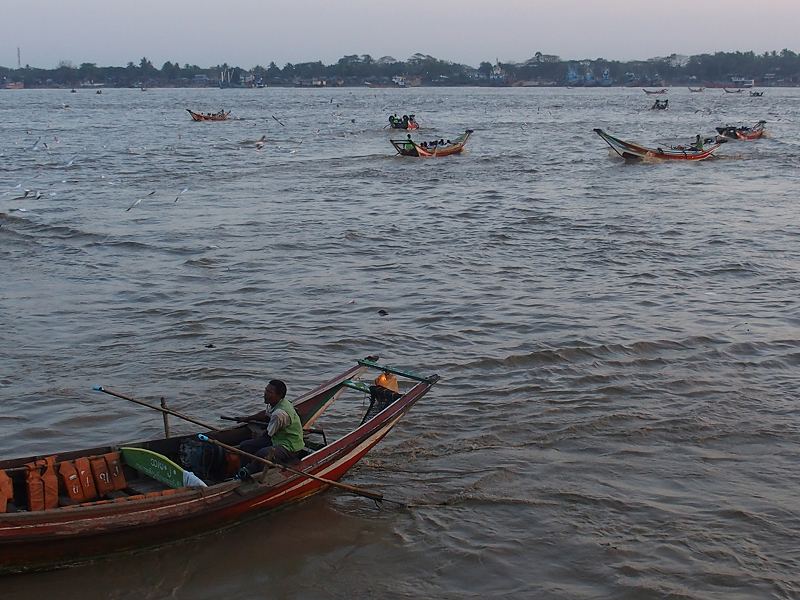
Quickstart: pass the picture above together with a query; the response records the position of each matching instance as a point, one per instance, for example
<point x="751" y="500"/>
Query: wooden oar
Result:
<point x="376" y="496"/>
<point x="244" y="420"/>
<point x="100" y="388"/>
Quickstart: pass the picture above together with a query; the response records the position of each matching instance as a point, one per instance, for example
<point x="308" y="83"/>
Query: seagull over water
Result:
<point x="138" y="201"/>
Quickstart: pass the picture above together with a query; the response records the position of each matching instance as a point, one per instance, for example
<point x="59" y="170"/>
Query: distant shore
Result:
<point x="721" y="69"/>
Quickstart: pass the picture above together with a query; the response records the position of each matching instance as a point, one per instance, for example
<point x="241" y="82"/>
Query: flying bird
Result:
<point x="183" y="191"/>
<point x="138" y="201"/>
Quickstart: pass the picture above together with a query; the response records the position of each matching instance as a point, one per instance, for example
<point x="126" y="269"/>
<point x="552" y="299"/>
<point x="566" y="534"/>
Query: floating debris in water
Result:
<point x="382" y="312"/>
<point x="183" y="191"/>
<point x="210" y="346"/>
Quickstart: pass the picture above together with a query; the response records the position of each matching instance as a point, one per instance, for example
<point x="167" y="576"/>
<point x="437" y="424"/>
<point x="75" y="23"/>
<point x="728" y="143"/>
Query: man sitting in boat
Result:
<point x="283" y="439"/>
<point x="697" y="144"/>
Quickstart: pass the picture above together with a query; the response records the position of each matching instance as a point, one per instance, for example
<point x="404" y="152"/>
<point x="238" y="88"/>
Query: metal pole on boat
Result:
<point x="169" y="411"/>
<point x="166" y="417"/>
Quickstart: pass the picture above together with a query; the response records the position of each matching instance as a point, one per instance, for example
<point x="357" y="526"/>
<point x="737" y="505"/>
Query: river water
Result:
<point x="618" y="343"/>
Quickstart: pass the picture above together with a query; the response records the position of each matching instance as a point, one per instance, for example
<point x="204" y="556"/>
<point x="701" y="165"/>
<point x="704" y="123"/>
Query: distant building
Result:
<point x="741" y="82"/>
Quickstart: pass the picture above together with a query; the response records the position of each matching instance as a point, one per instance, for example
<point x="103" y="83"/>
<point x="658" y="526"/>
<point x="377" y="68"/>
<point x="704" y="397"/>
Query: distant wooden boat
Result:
<point x="632" y="151"/>
<point x="408" y="147"/>
<point x="736" y="91"/>
<point x="696" y="90"/>
<point x="660" y="104"/>
<point x="143" y="496"/>
<point x="652" y="92"/>
<point x="219" y="116"/>
<point x="744" y="133"/>
<point x="756" y="94"/>
<point x="409" y="123"/>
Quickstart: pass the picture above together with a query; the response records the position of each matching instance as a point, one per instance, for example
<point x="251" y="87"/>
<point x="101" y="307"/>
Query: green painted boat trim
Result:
<point x="154" y="465"/>
<point x="409" y="374"/>
<point x="356" y="385"/>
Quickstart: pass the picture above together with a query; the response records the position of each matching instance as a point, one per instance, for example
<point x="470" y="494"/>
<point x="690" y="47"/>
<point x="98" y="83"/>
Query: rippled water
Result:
<point x="618" y="343"/>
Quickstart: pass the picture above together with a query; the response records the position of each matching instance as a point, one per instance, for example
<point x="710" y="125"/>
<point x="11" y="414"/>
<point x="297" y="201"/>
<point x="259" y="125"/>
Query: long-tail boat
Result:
<point x="736" y="91"/>
<point x="409" y="123"/>
<point x="632" y="151"/>
<point x="408" y="147"/>
<point x="218" y="116"/>
<point x="732" y="132"/>
<point x="127" y="497"/>
<point x="652" y="92"/>
<point x="696" y="90"/>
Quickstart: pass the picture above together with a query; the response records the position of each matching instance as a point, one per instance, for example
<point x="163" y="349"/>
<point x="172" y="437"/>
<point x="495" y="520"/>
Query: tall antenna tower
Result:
<point x="19" y="61"/>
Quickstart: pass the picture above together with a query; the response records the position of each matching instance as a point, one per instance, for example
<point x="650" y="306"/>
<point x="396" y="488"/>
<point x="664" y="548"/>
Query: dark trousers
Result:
<point x="263" y="447"/>
<point x="257" y="446"/>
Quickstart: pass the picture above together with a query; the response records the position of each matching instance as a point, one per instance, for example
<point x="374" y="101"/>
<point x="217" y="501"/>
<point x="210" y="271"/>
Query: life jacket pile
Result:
<point x="84" y="479"/>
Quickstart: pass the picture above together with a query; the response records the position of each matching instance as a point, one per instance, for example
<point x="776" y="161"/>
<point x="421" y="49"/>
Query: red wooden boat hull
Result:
<point x="63" y="536"/>
<point x="632" y="151"/>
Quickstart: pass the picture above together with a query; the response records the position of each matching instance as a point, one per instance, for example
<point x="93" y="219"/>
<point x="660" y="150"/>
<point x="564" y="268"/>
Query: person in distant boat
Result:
<point x="698" y="143"/>
<point x="448" y="142"/>
<point x="409" y="145"/>
<point x="424" y="144"/>
<point x="283" y="439"/>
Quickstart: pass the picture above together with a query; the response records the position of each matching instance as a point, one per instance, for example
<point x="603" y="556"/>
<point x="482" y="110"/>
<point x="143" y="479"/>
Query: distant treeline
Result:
<point x="769" y="68"/>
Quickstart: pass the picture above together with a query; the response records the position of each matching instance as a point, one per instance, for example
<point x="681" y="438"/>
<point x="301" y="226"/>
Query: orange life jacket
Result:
<point x="71" y="480"/>
<point x="42" y="484"/>
<point x="35" y="485"/>
<point x="6" y="491"/>
<point x="50" y="481"/>
<point x="102" y="476"/>
<point x="115" y="469"/>
<point x="85" y="475"/>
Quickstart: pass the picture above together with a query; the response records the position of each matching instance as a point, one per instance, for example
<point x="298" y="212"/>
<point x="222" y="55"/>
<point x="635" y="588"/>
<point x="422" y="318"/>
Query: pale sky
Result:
<point x="251" y="32"/>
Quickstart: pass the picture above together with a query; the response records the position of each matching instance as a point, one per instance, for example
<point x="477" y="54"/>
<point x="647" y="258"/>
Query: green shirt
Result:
<point x="291" y="436"/>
